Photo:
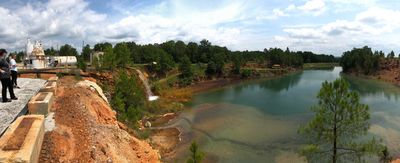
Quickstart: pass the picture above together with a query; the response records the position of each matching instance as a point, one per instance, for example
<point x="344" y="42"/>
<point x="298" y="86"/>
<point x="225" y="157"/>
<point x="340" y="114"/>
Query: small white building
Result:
<point x="36" y="59"/>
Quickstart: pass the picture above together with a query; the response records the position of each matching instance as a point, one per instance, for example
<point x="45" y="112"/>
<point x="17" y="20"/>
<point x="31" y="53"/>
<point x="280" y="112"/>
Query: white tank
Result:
<point x="28" y="48"/>
<point x="65" y="60"/>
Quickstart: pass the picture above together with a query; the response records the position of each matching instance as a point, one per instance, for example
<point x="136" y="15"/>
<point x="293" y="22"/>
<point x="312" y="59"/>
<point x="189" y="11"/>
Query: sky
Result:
<point x="321" y="26"/>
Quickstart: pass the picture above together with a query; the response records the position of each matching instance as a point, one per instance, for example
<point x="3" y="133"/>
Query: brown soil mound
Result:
<point x="166" y="141"/>
<point x="87" y="131"/>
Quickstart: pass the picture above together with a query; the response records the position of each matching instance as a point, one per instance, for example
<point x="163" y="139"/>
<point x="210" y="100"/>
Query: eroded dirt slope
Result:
<point x="87" y="130"/>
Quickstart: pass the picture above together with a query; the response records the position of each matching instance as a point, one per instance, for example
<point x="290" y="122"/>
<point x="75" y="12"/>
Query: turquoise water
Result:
<point x="257" y="121"/>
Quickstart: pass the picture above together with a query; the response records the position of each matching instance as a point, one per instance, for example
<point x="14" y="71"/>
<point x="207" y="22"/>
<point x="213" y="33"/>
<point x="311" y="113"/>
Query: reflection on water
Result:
<point x="257" y="121"/>
<point x="373" y="87"/>
<point x="283" y="83"/>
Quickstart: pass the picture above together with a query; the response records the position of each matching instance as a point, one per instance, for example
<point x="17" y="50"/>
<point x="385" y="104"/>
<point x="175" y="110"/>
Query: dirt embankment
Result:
<point x="389" y="71"/>
<point x="231" y="80"/>
<point x="87" y="130"/>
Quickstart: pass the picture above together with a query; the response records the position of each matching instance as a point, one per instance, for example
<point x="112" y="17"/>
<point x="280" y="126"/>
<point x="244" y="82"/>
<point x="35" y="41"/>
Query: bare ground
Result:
<point x="87" y="131"/>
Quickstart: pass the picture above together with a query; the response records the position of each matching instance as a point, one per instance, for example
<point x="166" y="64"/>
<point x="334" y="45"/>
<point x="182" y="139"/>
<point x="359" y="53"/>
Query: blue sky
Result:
<point x="322" y="26"/>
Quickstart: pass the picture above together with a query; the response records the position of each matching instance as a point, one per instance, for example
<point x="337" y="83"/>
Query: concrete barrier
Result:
<point x="53" y="78"/>
<point x="22" y="142"/>
<point x="50" y="86"/>
<point x="41" y="103"/>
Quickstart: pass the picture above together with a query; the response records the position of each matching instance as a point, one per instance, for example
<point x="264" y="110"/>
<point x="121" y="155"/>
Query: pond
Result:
<point x="257" y="121"/>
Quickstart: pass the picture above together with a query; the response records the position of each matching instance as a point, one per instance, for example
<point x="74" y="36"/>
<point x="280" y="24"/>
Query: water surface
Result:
<point x="257" y="121"/>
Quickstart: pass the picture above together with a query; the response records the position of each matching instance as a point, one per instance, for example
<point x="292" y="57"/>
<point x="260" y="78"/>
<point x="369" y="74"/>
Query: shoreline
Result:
<point x="383" y="76"/>
<point x="165" y="139"/>
<point x="209" y="85"/>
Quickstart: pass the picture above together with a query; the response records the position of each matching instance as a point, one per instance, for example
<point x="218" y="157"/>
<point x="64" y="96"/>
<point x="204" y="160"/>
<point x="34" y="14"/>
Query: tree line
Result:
<point x="177" y="54"/>
<point x="203" y="52"/>
<point x="364" y="60"/>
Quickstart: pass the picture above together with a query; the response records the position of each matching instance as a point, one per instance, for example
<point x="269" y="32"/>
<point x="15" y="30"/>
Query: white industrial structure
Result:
<point x="36" y="59"/>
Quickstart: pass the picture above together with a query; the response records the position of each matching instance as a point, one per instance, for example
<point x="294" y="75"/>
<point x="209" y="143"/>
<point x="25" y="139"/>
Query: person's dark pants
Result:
<point x="14" y="75"/>
<point x="6" y="83"/>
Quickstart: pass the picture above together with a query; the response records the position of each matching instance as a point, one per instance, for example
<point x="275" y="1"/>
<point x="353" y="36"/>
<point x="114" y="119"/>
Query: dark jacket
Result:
<point x="5" y="67"/>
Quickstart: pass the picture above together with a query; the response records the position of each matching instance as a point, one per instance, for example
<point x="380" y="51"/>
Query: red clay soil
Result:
<point x="87" y="131"/>
<point x="389" y="71"/>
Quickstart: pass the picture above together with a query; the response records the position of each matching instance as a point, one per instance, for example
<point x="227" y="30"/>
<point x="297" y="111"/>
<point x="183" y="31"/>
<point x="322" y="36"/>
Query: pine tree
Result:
<point x="340" y="119"/>
<point x="196" y="156"/>
<point x="185" y="68"/>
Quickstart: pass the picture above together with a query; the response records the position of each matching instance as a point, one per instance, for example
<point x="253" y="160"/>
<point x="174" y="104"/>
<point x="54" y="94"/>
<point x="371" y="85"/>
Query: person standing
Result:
<point x="14" y="70"/>
<point x="5" y="78"/>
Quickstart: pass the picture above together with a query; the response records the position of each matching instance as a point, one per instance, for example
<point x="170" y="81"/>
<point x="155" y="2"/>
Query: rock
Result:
<point x="93" y="153"/>
<point x="109" y="160"/>
<point x="103" y="150"/>
<point x="147" y="124"/>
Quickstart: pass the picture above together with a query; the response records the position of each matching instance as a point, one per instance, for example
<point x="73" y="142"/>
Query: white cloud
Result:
<point x="60" y="22"/>
<point x="53" y="21"/>
<point x="238" y="24"/>
<point x="368" y="27"/>
<point x="315" y="7"/>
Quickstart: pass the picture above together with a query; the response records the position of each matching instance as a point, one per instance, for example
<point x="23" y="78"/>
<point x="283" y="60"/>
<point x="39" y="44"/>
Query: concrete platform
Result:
<point x="41" y="103"/>
<point x="10" y="111"/>
<point x="23" y="140"/>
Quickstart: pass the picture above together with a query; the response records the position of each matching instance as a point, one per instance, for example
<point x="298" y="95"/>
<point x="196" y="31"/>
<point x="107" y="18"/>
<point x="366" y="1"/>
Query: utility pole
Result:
<point x="83" y="44"/>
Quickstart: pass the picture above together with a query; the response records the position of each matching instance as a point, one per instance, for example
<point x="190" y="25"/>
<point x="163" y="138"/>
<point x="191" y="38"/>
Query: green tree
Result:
<point x="237" y="63"/>
<point x="86" y="52"/>
<point x="169" y="47"/>
<point x="128" y="99"/>
<point x="339" y="120"/>
<point x="68" y="50"/>
<point x="81" y="63"/>
<point x="205" y="50"/>
<point x="211" y="69"/>
<point x="180" y="51"/>
<point x="108" y="60"/>
<point x="135" y="53"/>
<point x="384" y="156"/>
<point x="219" y="63"/>
<point x="165" y="64"/>
<point x="185" y="68"/>
<point x="193" y="52"/>
<point x="102" y="46"/>
<point x="391" y="55"/>
<point x="122" y="54"/>
<point x="20" y="56"/>
<point x="50" y="52"/>
<point x="196" y="156"/>
<point x="361" y="60"/>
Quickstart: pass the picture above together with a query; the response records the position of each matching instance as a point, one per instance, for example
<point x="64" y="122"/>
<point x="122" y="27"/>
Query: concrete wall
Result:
<point x="41" y="103"/>
<point x="50" y="86"/>
<point x="23" y="140"/>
